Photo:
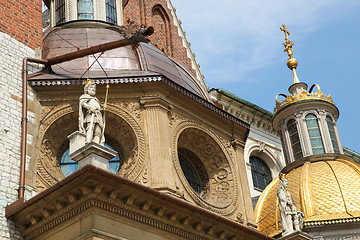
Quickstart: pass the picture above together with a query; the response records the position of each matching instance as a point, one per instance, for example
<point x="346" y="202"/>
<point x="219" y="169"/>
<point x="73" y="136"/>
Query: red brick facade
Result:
<point x="21" y="19"/>
<point x="156" y="13"/>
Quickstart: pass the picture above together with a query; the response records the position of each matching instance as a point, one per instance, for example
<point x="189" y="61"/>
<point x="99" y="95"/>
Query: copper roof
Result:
<point x="144" y="58"/>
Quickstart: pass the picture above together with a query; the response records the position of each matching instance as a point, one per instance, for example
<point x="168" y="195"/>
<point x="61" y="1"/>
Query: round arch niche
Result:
<point x="118" y="132"/>
<point x="215" y="171"/>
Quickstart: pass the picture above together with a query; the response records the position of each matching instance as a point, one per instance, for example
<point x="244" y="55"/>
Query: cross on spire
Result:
<point x="283" y="28"/>
<point x="288" y="44"/>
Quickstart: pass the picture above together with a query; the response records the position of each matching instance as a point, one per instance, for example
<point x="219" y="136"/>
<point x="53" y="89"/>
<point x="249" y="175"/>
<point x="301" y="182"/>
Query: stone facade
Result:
<point x="20" y="35"/>
<point x="263" y="141"/>
<point x="11" y="58"/>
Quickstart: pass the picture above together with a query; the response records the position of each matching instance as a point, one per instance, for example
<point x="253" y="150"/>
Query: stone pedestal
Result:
<point x="77" y="141"/>
<point x="297" y="236"/>
<point x="94" y="154"/>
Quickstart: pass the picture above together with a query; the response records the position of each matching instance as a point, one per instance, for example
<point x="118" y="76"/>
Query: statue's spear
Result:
<point x="106" y="96"/>
<point x="105" y="107"/>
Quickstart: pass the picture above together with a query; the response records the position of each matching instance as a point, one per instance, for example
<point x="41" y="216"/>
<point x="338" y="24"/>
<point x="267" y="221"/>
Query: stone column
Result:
<point x="245" y="196"/>
<point x="159" y="143"/>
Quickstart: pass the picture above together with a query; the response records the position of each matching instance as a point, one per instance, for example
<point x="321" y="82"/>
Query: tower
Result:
<point x="322" y="180"/>
<point x="306" y="120"/>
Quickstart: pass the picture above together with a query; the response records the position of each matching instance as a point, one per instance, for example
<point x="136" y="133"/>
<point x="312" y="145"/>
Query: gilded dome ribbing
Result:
<point x="326" y="189"/>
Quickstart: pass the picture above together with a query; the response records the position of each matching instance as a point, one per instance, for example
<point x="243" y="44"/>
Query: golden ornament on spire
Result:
<point x="291" y="62"/>
<point x="288" y="44"/>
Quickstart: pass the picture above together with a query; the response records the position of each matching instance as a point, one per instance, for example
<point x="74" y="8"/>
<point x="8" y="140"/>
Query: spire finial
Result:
<point x="287" y="44"/>
<point x="291" y="62"/>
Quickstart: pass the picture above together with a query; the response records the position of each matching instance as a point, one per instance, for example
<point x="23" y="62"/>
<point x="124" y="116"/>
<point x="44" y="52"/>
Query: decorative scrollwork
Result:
<point x="219" y="192"/>
<point x="122" y="129"/>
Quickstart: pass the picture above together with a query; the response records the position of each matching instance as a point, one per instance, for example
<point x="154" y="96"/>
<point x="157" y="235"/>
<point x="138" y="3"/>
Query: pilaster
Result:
<point x="246" y="204"/>
<point x="324" y="131"/>
<point x="159" y="143"/>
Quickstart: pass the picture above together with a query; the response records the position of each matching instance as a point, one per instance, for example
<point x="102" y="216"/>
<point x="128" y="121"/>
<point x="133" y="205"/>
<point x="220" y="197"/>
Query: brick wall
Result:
<point x="156" y="13"/>
<point x="21" y="19"/>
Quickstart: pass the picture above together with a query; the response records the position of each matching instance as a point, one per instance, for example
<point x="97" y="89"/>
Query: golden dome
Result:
<point x="326" y="188"/>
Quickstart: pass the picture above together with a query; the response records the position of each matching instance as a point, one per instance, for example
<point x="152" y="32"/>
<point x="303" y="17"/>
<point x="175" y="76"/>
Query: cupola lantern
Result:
<point x="305" y="120"/>
<point x="62" y="11"/>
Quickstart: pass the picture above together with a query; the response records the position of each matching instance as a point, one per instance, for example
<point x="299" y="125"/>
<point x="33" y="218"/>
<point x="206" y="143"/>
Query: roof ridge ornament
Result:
<point x="291" y="62"/>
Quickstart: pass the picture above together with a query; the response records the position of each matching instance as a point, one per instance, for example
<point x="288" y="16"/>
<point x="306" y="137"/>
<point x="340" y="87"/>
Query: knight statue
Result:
<point x="291" y="219"/>
<point x="91" y="115"/>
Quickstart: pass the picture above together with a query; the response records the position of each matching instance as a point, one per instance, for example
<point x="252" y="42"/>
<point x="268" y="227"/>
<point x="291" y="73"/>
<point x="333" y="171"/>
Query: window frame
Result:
<point x="111" y="9"/>
<point x="292" y="144"/>
<point x="336" y="140"/>
<point x="72" y="162"/>
<point x="255" y="172"/>
<point x="319" y="136"/>
<point x="85" y="13"/>
<point x="62" y="10"/>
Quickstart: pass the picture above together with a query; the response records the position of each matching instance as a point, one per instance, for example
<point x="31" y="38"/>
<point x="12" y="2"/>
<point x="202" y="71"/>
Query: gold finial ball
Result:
<point x="292" y="63"/>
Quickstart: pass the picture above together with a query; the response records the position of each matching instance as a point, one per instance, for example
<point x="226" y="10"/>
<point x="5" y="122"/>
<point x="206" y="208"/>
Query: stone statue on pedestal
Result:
<point x="91" y="115"/>
<point x="291" y="219"/>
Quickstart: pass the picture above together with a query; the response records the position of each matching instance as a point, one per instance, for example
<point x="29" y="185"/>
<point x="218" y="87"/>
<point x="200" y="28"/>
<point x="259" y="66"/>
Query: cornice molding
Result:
<point x="93" y="188"/>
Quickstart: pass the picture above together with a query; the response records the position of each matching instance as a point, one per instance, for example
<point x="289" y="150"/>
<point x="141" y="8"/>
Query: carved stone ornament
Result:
<point x="123" y="131"/>
<point x="215" y="167"/>
<point x="239" y="218"/>
<point x="262" y="146"/>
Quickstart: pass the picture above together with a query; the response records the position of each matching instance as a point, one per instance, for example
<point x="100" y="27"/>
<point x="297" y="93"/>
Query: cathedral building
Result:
<point x="177" y="170"/>
<point x="174" y="160"/>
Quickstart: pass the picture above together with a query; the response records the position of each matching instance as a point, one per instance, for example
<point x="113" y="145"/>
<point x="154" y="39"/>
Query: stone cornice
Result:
<point x="91" y="187"/>
<point x="37" y="83"/>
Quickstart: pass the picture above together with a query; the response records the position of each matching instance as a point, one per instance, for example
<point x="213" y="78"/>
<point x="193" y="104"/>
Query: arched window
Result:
<point x="260" y="172"/>
<point x="59" y="11"/>
<point x="68" y="166"/>
<point x="294" y="139"/>
<point x="314" y="134"/>
<point x="85" y="9"/>
<point x="332" y="133"/>
<point x="111" y="11"/>
<point x="161" y="22"/>
<point x="190" y="174"/>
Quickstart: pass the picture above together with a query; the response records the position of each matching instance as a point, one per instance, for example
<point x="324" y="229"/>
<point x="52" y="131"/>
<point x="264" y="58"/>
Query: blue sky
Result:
<point x="238" y="45"/>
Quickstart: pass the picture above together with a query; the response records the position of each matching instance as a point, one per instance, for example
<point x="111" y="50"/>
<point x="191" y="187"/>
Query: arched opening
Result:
<point x="194" y="171"/>
<point x="294" y="139"/>
<point x="54" y="163"/>
<point x="314" y="134"/>
<point x="161" y="23"/>
<point x="260" y="172"/>
<point x="204" y="169"/>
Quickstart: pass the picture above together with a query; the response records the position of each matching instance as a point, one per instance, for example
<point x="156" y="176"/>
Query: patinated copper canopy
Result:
<point x="142" y="59"/>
